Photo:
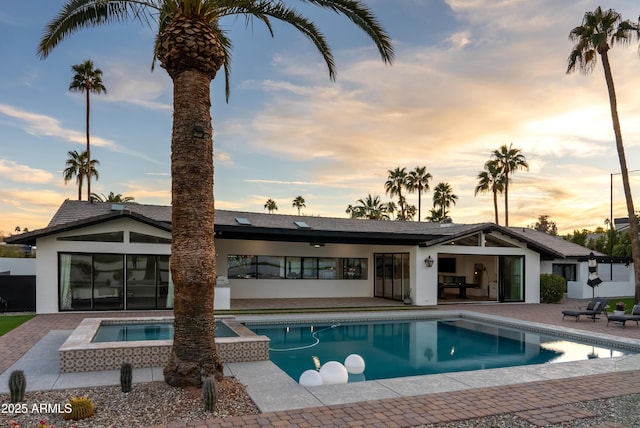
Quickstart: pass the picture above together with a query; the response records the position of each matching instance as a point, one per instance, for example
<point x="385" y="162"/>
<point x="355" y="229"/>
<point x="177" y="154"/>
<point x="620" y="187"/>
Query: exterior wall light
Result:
<point x="428" y="261"/>
<point x="198" y="131"/>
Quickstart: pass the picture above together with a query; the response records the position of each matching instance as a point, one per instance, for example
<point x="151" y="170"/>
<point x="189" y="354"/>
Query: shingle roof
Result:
<point x="553" y="243"/>
<point x="74" y="214"/>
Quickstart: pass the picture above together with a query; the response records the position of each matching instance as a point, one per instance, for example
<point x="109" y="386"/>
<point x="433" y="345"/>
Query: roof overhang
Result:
<point x="316" y="236"/>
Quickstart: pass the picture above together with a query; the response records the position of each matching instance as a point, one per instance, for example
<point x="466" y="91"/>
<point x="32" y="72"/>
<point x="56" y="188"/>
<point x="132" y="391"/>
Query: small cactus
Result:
<point x="125" y="377"/>
<point x="210" y="394"/>
<point x="81" y="408"/>
<point x="17" y="385"/>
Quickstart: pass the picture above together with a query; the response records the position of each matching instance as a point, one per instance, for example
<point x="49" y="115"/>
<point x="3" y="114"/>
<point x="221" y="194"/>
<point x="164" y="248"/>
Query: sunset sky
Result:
<point x="469" y="76"/>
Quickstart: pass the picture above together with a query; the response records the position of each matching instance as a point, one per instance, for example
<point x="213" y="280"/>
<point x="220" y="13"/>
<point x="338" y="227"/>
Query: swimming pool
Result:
<point x="156" y="330"/>
<point x="413" y="347"/>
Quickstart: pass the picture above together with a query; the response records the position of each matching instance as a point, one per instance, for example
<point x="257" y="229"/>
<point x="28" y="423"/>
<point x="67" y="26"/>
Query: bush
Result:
<point x="551" y="288"/>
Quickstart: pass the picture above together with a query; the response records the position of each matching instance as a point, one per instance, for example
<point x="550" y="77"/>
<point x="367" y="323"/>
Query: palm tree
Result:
<point x="418" y="179"/>
<point x="436" y="215"/>
<point x="298" y="203"/>
<point x="87" y="79"/>
<point x="370" y="208"/>
<point x="396" y="182"/>
<point x="443" y="198"/>
<point x="112" y="197"/>
<point x="77" y="167"/>
<point x="491" y="179"/>
<point x="508" y="160"/>
<point x="191" y="46"/>
<point x="599" y="31"/>
<point x="271" y="205"/>
<point x="391" y="209"/>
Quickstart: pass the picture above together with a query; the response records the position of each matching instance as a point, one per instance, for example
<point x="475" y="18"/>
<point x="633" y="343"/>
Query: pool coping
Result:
<point x="273" y="390"/>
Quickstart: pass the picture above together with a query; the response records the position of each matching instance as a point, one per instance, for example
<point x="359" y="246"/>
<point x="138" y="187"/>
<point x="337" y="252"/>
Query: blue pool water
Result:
<point x="147" y="331"/>
<point x="419" y="347"/>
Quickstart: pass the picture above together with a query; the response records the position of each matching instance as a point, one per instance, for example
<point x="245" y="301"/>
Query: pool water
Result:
<point x="419" y="347"/>
<point x="147" y="331"/>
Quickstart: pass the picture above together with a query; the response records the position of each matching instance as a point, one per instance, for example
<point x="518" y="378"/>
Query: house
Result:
<point x="103" y="256"/>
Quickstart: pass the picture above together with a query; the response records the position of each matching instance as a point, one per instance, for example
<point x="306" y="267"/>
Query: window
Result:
<point x="284" y="267"/>
<point x="241" y="267"/>
<point x="96" y="237"/>
<point x="354" y="268"/>
<point x="147" y="239"/>
<point x="270" y="267"/>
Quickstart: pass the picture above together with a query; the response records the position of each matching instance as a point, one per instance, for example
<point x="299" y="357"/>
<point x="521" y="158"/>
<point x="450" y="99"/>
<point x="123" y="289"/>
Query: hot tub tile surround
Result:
<point x="80" y="354"/>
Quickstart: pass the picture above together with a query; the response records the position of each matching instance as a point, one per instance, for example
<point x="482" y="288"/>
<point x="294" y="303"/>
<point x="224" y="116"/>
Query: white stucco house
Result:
<point x="103" y="256"/>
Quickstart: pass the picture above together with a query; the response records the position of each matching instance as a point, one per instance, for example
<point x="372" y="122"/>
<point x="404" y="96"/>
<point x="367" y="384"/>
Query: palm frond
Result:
<point x="79" y="14"/>
<point x="362" y="16"/>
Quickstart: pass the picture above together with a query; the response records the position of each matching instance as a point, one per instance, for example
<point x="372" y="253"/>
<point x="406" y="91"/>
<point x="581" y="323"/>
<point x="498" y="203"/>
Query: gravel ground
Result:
<point x="147" y="404"/>
<point x="622" y="412"/>
<point x="157" y="403"/>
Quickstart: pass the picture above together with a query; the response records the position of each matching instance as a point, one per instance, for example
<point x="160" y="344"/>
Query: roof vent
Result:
<point x="243" y="221"/>
<point x="302" y="225"/>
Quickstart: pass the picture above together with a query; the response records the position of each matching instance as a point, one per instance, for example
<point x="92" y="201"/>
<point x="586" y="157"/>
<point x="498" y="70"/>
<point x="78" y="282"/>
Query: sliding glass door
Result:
<point x="392" y="280"/>
<point x="511" y="279"/>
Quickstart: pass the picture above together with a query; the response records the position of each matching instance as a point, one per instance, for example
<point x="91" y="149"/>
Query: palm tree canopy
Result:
<point x="443" y="196"/>
<point x="418" y="179"/>
<point x="112" y="197"/>
<point x="370" y="208"/>
<point x="491" y="179"/>
<point x="396" y="182"/>
<point x="599" y="31"/>
<point x="79" y="14"/>
<point x="87" y="79"/>
<point x="76" y="166"/>
<point x="509" y="159"/>
<point x="271" y="205"/>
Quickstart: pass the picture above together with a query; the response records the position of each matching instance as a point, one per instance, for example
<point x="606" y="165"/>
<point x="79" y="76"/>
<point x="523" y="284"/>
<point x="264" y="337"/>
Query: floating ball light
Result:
<point x="310" y="378"/>
<point x="334" y="373"/>
<point x="354" y="364"/>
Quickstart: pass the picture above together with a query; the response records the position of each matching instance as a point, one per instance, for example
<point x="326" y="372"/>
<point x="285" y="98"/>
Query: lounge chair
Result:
<point x="622" y="319"/>
<point x="594" y="308"/>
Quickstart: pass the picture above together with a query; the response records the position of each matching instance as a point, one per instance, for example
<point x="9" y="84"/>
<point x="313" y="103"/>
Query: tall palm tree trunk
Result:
<point x="419" y="204"/>
<point x="506" y="199"/>
<point x="633" y="225"/>
<point x="193" y="268"/>
<point x="88" y="169"/>
<point x="495" y="204"/>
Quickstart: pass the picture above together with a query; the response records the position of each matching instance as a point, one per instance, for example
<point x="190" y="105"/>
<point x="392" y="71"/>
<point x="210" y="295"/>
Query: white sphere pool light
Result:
<point x="354" y="364"/>
<point x="333" y="373"/>
<point x="310" y="378"/>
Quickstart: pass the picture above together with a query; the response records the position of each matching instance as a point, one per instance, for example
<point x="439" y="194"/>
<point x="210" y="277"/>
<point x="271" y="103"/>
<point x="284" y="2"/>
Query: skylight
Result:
<point x="302" y="225"/>
<point x="243" y="221"/>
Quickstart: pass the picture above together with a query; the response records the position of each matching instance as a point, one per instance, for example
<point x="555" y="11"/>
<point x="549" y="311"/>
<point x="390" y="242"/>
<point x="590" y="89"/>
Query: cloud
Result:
<point x="13" y="171"/>
<point x="46" y="126"/>
<point x="448" y="106"/>
<point x="135" y="84"/>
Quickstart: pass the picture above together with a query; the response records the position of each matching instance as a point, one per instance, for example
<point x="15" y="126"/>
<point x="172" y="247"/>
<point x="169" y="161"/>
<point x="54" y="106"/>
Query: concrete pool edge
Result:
<point x="80" y="354"/>
<point x="273" y="390"/>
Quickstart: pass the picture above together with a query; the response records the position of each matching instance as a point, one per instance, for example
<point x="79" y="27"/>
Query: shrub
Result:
<point x="551" y="288"/>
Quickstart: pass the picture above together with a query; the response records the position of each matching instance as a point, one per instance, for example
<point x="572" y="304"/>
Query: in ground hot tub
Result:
<point x="80" y="353"/>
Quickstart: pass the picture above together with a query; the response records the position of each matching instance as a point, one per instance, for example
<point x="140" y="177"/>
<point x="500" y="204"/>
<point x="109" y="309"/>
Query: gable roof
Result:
<point x="277" y="227"/>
